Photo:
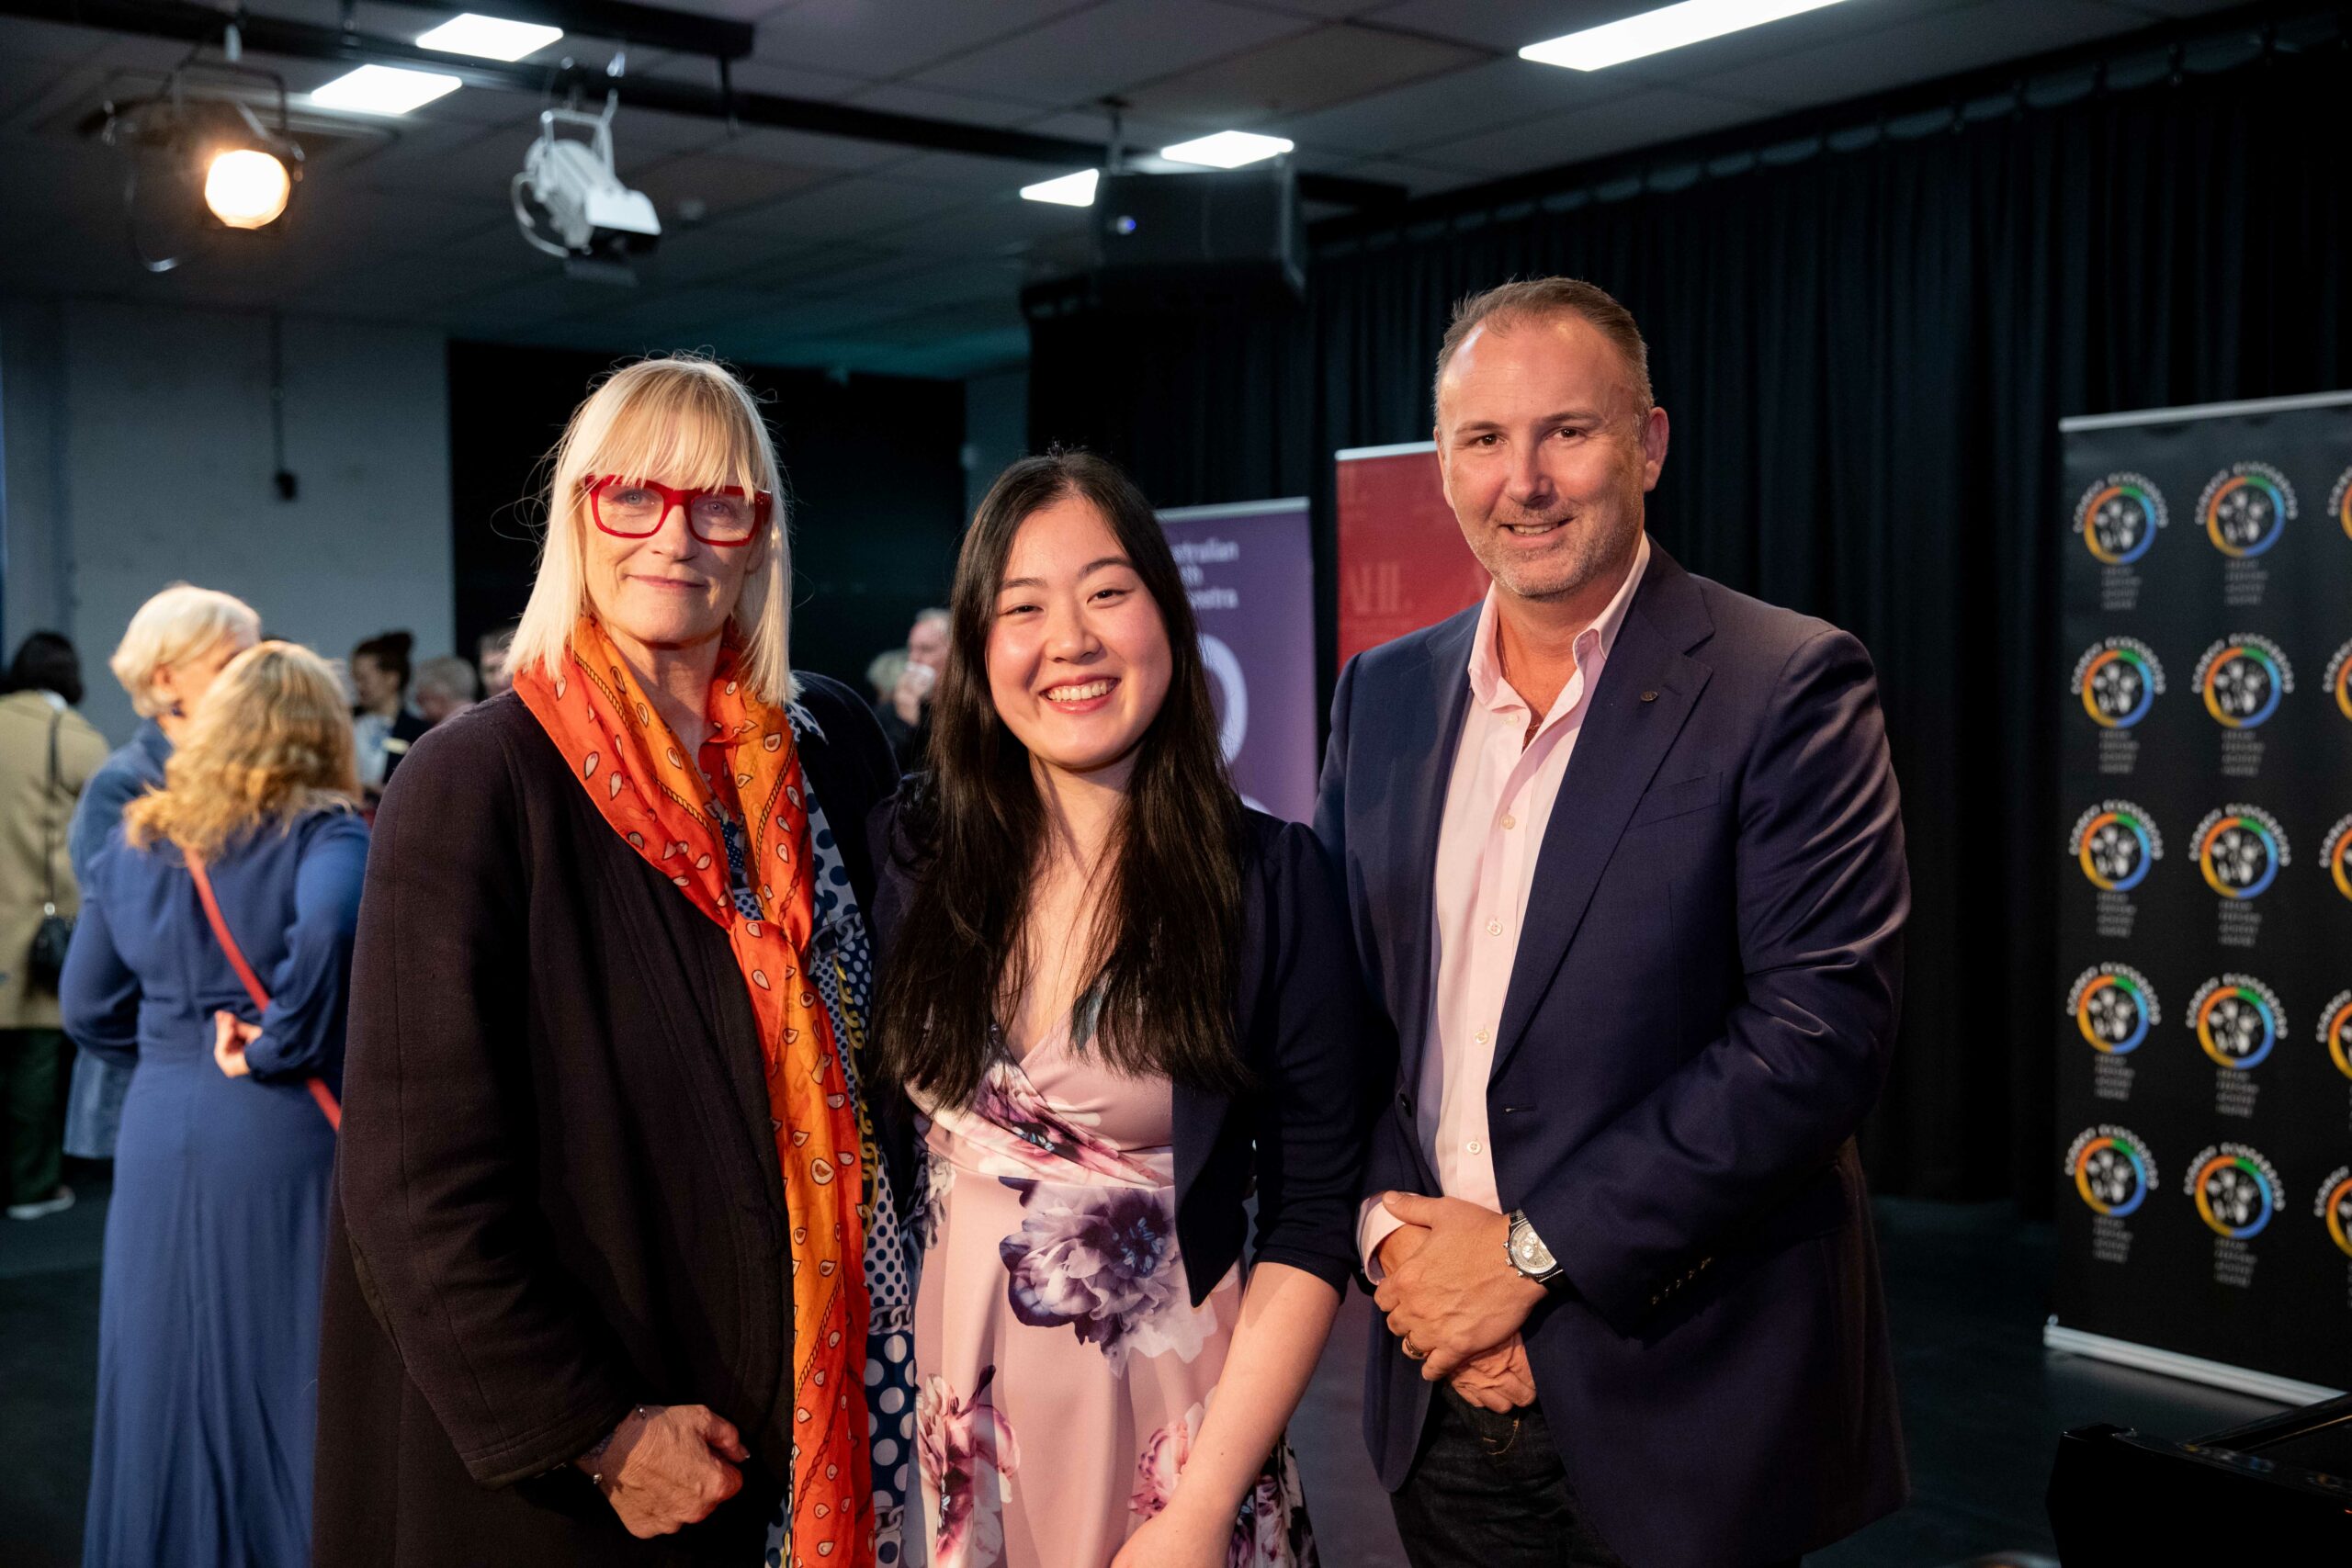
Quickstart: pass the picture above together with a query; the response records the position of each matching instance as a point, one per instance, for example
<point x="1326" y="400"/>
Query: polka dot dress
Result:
<point x="841" y="963"/>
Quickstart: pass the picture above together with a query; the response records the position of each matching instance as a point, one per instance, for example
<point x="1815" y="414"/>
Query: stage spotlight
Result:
<point x="569" y="201"/>
<point x="246" y="188"/>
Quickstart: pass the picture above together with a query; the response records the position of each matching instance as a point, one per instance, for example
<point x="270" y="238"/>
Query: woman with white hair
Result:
<point x="622" y="1258"/>
<point x="175" y="648"/>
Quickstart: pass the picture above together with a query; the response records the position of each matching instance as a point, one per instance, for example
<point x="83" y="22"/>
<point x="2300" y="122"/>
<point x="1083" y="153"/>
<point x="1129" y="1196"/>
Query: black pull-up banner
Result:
<point x="2204" y="1042"/>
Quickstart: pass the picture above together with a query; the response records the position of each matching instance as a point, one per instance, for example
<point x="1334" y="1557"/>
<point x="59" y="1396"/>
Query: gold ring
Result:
<point x="1411" y="1354"/>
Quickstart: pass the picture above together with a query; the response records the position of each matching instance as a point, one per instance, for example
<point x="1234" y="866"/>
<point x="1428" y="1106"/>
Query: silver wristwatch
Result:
<point x="1527" y="1252"/>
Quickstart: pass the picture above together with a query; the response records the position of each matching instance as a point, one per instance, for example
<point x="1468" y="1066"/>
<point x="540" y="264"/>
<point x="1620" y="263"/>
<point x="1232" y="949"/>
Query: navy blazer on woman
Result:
<point x="1700" y="1014"/>
<point x="1312" y="1044"/>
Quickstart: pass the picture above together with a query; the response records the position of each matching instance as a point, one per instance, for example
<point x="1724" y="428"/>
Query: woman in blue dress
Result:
<point x="207" y="1323"/>
<point x="175" y="648"/>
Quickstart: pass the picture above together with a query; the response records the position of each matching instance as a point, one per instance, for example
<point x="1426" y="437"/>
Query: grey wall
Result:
<point x="138" y="453"/>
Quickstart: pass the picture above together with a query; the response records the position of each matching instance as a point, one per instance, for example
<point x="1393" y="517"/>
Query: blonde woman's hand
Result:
<point x="1181" y="1536"/>
<point x="667" y="1466"/>
<point x="231" y="1035"/>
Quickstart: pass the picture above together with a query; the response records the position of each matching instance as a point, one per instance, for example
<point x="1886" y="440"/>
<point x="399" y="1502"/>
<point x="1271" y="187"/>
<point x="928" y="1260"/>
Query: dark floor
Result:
<point x="1983" y="1402"/>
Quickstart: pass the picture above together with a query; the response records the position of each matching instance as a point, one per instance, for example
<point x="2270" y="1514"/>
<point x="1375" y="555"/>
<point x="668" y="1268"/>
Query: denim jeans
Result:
<point x="1487" y="1491"/>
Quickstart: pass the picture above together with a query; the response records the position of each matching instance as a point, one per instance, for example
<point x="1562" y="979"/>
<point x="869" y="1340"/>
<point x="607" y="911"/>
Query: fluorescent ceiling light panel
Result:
<point x="1226" y="150"/>
<point x="384" y="89"/>
<point x="1654" y="32"/>
<point x="488" y="38"/>
<point x="1065" y="190"/>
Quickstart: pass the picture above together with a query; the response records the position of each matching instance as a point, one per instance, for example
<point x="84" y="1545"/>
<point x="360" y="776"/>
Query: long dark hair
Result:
<point x="975" y="827"/>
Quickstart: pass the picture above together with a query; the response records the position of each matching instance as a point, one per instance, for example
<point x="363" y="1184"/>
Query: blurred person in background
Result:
<point x="906" y="716"/>
<point x="209" y="1309"/>
<point x="48" y="753"/>
<point x="619" y="1253"/>
<point x="444" y="688"/>
<point x="882" y="675"/>
<point x="489" y="656"/>
<point x="175" y="647"/>
<point x="383" y="726"/>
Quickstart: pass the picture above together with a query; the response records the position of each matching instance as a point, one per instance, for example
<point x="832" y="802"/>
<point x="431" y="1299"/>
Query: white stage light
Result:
<point x="384" y="89"/>
<point x="488" y="38"/>
<point x="248" y="188"/>
<point x="1067" y="190"/>
<point x="1226" y="150"/>
<point x="1654" y="32"/>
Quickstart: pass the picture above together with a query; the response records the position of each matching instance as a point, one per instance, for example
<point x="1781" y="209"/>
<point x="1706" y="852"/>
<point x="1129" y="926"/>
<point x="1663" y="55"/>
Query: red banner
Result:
<point x="1403" y="564"/>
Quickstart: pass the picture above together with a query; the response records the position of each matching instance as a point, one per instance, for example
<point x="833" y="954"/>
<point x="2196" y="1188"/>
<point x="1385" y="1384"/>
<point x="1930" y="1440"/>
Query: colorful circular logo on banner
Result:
<point x="2115" y="842"/>
<point x="2236" y="1191"/>
<point x="2118" y="516"/>
<point x="2111" y="1170"/>
<point x="2335" y="1207"/>
<point x="2242" y="680"/>
<point x="2240" y="849"/>
<point x="2339" y="502"/>
<point x="2245" y="508"/>
<point x="2335" y="1030"/>
<point x="2113" y="1007"/>
<point x="2339" y="679"/>
<point x="2237" y="1020"/>
<point x="2117" y="681"/>
<point x="2337" y="856"/>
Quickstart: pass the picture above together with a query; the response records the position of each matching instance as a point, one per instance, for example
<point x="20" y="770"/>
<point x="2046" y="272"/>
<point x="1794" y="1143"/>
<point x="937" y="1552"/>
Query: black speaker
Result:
<point x="1195" y="237"/>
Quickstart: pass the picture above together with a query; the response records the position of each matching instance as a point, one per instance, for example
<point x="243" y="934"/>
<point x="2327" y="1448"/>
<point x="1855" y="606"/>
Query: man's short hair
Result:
<point x="1540" y="297"/>
<point x="936" y="614"/>
<point x="448" y="676"/>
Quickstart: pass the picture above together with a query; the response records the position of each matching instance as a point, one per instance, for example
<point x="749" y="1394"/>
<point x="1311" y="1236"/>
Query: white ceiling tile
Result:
<point x="1917" y="49"/>
<point x="1650" y="116"/>
<point x="1300" y="74"/>
<point x="1110" y="48"/>
<point x="1450" y="107"/>
<point x="876" y="38"/>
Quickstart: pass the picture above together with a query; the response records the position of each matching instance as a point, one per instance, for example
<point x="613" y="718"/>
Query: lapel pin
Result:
<point x="1649" y="696"/>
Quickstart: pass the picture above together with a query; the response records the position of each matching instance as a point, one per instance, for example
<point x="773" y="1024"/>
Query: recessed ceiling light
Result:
<point x="1065" y="190"/>
<point x="1226" y="150"/>
<point x="384" y="89"/>
<point x="489" y="38"/>
<point x="1652" y="32"/>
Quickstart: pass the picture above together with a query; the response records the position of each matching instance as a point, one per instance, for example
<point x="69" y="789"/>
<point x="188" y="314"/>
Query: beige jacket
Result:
<point x="26" y="821"/>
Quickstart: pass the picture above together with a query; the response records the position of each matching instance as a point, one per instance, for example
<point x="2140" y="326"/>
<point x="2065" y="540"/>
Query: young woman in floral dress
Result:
<point x="1121" y="1002"/>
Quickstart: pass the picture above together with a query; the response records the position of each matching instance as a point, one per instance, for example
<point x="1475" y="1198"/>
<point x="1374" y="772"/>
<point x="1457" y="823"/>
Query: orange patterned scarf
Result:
<point x="654" y="796"/>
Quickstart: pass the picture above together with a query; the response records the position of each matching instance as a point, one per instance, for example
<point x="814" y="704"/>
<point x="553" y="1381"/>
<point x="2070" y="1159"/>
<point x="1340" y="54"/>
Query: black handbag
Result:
<point x="45" y="961"/>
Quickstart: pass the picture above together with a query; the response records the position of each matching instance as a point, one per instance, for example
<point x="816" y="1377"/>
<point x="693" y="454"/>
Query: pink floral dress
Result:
<point x="1062" y="1370"/>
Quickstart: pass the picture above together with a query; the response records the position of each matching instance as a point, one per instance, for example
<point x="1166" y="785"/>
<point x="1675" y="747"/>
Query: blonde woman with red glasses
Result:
<point x="619" y="1247"/>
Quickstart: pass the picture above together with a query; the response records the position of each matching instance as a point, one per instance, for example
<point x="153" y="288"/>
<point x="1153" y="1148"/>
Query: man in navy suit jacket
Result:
<point x="1625" y="860"/>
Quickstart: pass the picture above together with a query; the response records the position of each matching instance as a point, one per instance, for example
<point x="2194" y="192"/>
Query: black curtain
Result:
<point x="1865" y="355"/>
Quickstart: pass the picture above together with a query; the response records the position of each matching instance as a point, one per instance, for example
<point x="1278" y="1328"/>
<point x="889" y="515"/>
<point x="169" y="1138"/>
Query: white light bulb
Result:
<point x="248" y="188"/>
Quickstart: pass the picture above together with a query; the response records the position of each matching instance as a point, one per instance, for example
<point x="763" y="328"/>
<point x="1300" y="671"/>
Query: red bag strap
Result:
<point x="329" y="1107"/>
<point x="220" y="930"/>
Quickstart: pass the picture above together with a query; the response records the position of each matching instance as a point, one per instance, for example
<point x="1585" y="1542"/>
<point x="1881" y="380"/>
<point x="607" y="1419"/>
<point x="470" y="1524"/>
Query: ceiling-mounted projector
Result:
<point x="567" y="201"/>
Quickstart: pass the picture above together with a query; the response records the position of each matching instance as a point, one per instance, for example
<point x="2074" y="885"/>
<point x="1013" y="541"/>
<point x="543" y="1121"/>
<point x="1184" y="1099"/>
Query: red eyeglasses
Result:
<point x="635" y="509"/>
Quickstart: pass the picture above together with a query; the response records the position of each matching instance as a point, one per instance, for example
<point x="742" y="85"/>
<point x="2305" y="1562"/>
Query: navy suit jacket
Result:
<point x="1700" y="1014"/>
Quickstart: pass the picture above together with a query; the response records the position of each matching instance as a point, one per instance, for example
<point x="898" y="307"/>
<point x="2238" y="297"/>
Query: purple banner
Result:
<point x="1249" y="569"/>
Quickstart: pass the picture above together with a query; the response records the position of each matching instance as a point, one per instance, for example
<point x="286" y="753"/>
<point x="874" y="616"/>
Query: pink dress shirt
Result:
<point x="1498" y="805"/>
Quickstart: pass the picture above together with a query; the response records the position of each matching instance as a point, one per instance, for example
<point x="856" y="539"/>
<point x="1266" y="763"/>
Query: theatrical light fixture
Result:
<point x="1065" y="190"/>
<point x="246" y="188"/>
<point x="488" y="38"/>
<point x="569" y="202"/>
<point x="384" y="89"/>
<point x="1654" y="32"/>
<point x="1226" y="150"/>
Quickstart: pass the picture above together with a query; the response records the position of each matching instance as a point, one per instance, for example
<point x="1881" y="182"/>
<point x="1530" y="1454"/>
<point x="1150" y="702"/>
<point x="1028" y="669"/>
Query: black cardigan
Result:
<point x="1316" y="1052"/>
<point x="557" y="1184"/>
